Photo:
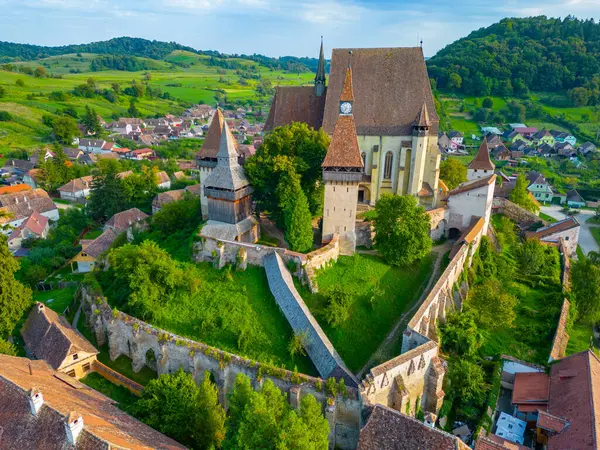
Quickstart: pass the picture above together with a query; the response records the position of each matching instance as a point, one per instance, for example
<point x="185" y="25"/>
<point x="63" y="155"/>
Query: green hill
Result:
<point x="515" y="56"/>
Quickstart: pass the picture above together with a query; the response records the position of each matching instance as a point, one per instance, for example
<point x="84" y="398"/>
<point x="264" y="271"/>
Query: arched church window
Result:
<point x="363" y="155"/>
<point x="387" y="168"/>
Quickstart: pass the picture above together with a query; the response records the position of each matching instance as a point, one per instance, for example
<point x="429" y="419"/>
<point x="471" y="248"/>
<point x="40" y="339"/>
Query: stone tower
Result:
<point x="228" y="193"/>
<point x="342" y="173"/>
<point x="320" y="77"/>
<point x="420" y="142"/>
<point x="481" y="166"/>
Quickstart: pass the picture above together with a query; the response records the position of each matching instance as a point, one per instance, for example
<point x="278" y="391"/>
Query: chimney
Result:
<point x="36" y="399"/>
<point x="430" y="419"/>
<point x="73" y="427"/>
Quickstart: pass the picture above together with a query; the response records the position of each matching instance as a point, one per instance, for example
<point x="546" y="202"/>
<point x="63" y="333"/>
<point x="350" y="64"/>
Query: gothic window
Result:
<point x="411" y="368"/>
<point x="422" y="362"/>
<point x="387" y="171"/>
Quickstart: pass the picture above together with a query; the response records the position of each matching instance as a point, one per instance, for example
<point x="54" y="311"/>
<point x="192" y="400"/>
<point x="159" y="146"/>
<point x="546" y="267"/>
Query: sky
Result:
<point x="270" y="27"/>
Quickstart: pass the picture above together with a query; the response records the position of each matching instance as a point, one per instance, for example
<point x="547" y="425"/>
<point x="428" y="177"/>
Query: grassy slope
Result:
<point x="358" y="338"/>
<point x="195" y="84"/>
<point x="61" y="298"/>
<point x="118" y="393"/>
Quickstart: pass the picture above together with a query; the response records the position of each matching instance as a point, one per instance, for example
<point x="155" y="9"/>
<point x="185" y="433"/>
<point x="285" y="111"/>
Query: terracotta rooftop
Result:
<point x="482" y="160"/>
<point x="575" y="396"/>
<point x="551" y="423"/>
<point x="390" y="86"/>
<point x="105" y="426"/>
<point x="162" y="177"/>
<point x="210" y="146"/>
<point x="162" y="198"/>
<point x="50" y="337"/>
<point x="23" y="204"/>
<point x="554" y="228"/>
<point x="123" y="220"/>
<point x="35" y="223"/>
<point x="530" y="388"/>
<point x="493" y="442"/>
<point x="15" y="188"/>
<point x="77" y="185"/>
<point x="388" y="429"/>
<point x="296" y="104"/>
<point x="101" y="244"/>
<point x="471" y="185"/>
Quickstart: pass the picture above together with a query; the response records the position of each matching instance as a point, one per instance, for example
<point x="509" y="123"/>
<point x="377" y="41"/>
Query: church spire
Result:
<point x="482" y="160"/>
<point x="320" y="77"/>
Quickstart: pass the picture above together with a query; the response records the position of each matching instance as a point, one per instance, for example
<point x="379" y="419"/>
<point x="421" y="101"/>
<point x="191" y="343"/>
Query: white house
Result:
<point x="35" y="226"/>
<point x="77" y="189"/>
<point x="471" y="200"/>
<point x="567" y="229"/>
<point x="163" y="182"/>
<point x="20" y="205"/>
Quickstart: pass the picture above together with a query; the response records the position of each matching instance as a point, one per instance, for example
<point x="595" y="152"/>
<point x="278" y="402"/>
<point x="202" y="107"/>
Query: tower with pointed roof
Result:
<point x="481" y="166"/>
<point x="320" y="76"/>
<point x="342" y="174"/>
<point x="228" y="193"/>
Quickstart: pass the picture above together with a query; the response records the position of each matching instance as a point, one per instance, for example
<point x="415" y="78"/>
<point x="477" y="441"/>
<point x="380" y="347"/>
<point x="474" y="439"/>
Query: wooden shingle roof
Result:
<point x="482" y="160"/>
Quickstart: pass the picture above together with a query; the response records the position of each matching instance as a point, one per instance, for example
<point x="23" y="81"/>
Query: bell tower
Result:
<point x="342" y="173"/>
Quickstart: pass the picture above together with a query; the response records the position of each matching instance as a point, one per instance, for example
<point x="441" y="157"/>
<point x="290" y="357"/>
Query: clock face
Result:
<point x="346" y="107"/>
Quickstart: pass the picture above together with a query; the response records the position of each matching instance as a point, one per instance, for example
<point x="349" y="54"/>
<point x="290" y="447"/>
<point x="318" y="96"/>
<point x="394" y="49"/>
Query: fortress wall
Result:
<point x="514" y="212"/>
<point x="136" y="339"/>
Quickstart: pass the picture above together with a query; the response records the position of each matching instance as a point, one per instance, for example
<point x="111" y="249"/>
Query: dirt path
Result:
<point x="403" y="319"/>
<point x="270" y="229"/>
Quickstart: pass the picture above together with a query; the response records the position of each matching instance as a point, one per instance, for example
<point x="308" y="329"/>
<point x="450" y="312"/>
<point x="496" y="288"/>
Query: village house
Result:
<point x="444" y="143"/>
<point x="512" y="126"/>
<point x="513" y="135"/>
<point x="162" y="180"/>
<point x="140" y="154"/>
<point x="35" y="226"/>
<point x="122" y="128"/>
<point x="574" y="200"/>
<point x="153" y="123"/>
<point x="545" y="150"/>
<point x="494" y="141"/>
<point x="566" y="229"/>
<point x="587" y="148"/>
<point x="162" y="131"/>
<point x="493" y="131"/>
<point x="162" y="198"/>
<point x="127" y="220"/>
<point x="92" y="145"/>
<point x="199" y="112"/>
<point x="543" y="137"/>
<point x="77" y="189"/>
<point x="526" y="132"/>
<point x="92" y="252"/>
<point x="14" y="188"/>
<point x="456" y="140"/>
<point x="563" y="136"/>
<point x="539" y="187"/>
<point x="72" y="154"/>
<point x="18" y="167"/>
<point x="20" y="205"/>
<point x="49" y="410"/>
<point x="50" y="337"/>
<point x="501" y="153"/>
<point x="32" y="178"/>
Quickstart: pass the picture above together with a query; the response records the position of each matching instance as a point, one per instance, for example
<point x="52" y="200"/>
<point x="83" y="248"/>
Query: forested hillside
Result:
<point x="515" y="56"/>
<point x="127" y="47"/>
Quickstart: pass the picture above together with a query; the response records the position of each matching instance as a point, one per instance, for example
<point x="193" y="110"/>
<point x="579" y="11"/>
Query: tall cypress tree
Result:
<point x="298" y="232"/>
<point x="106" y="196"/>
<point x="14" y="297"/>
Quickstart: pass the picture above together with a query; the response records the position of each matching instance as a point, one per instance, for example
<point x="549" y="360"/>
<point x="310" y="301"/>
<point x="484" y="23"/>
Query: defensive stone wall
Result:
<point x="167" y="352"/>
<point x="117" y="378"/>
<point x="439" y="222"/>
<point x="514" y="212"/>
<point x="561" y="337"/>
<point x="364" y="234"/>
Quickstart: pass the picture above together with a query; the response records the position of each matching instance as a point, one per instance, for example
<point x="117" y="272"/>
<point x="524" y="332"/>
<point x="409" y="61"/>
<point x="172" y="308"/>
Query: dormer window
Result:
<point x="75" y="357"/>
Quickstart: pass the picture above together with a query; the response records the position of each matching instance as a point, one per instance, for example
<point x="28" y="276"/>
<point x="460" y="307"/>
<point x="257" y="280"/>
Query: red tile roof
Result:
<point x="471" y="185"/>
<point x="15" y="188"/>
<point x="104" y="424"/>
<point x="493" y="442"/>
<point x="482" y="160"/>
<point x="296" y="104"/>
<point x="101" y="244"/>
<point x="77" y="185"/>
<point x="531" y="388"/>
<point x="558" y="227"/>
<point x="551" y="423"/>
<point x="575" y="396"/>
<point x="123" y="220"/>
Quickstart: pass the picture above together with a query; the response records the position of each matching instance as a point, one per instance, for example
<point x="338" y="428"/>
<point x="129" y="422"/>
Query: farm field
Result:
<point x="197" y="82"/>
<point x="394" y="291"/>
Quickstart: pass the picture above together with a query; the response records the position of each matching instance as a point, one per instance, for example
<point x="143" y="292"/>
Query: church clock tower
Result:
<point x="342" y="173"/>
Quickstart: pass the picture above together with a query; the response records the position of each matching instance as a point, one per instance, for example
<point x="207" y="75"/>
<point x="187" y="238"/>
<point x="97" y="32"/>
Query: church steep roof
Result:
<point x="227" y="174"/>
<point x="210" y="146"/>
<point x="422" y="119"/>
<point x="343" y="149"/>
<point x="390" y="86"/>
<point x="482" y="160"/>
<point x="320" y="76"/>
<point x="296" y="104"/>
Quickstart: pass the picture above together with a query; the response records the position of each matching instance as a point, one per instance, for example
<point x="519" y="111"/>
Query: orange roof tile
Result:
<point x="15" y="188"/>
<point x="530" y="388"/>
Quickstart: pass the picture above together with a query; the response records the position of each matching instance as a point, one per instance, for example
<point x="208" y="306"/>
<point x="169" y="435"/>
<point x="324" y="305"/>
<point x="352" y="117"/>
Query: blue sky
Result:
<point x="270" y="27"/>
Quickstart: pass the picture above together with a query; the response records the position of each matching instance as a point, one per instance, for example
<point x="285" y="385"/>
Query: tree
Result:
<point x="6" y="348"/>
<point x="467" y="386"/>
<point x="64" y="129"/>
<point x="520" y="195"/>
<point x="90" y="120"/>
<point x="2" y="91"/>
<point x="179" y="215"/>
<point x="495" y="308"/>
<point x="298" y="343"/>
<point x="339" y="301"/>
<point x="487" y="103"/>
<point x="298" y="229"/>
<point x="20" y="82"/>
<point x="55" y="172"/>
<point x="132" y="110"/>
<point x="106" y="195"/>
<point x="585" y="286"/>
<point x="15" y="298"/>
<point x="264" y="419"/>
<point x="292" y="147"/>
<point x="39" y="72"/>
<point x="5" y="116"/>
<point x="401" y="229"/>
<point x="453" y="172"/>
<point x="579" y="96"/>
<point x="454" y="81"/>
<point x="176" y="406"/>
<point x="460" y="334"/>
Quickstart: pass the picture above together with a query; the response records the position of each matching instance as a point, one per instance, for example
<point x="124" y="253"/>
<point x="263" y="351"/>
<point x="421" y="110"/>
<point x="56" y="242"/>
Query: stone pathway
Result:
<point x="404" y="318"/>
<point x="271" y="229"/>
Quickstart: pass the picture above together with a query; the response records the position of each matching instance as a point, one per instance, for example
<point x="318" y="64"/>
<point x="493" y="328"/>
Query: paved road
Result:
<point x="586" y="240"/>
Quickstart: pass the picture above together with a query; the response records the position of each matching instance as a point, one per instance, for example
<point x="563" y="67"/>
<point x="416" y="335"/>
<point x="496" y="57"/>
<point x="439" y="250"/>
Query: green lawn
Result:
<point x="57" y="299"/>
<point x="547" y="218"/>
<point x="118" y="393"/>
<point x="358" y="338"/>
<point x="596" y="233"/>
<point x="93" y="234"/>
<point x="579" y="337"/>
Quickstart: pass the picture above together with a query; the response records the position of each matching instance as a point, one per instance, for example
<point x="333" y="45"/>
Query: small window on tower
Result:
<point x="347" y="189"/>
<point x="387" y="171"/>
